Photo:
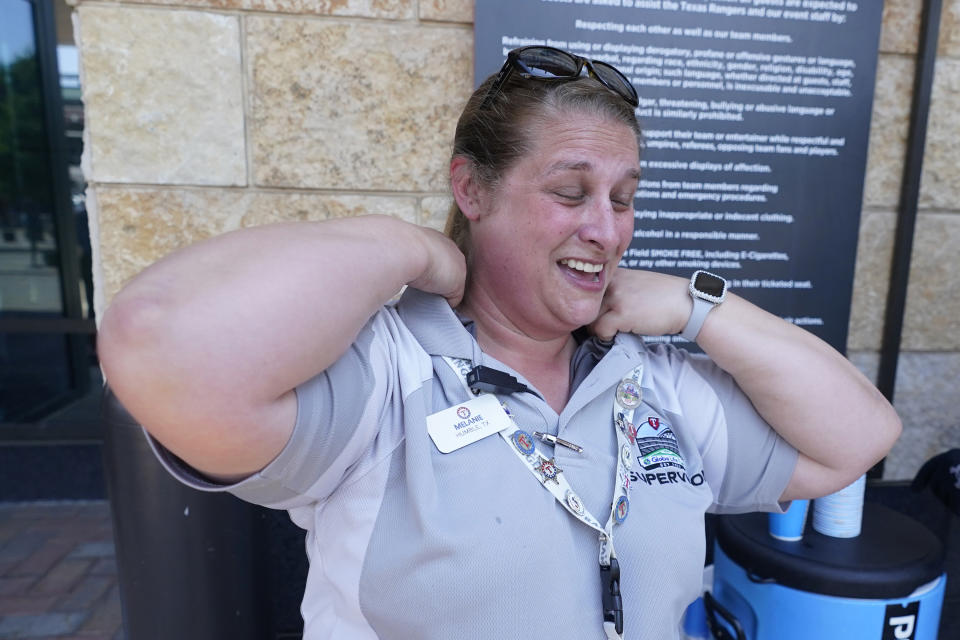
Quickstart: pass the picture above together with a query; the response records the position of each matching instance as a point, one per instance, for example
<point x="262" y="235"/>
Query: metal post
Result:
<point x="66" y="233"/>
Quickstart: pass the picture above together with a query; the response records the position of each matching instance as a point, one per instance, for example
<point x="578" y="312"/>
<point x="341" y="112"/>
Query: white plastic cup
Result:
<point x="840" y="514"/>
<point x="789" y="525"/>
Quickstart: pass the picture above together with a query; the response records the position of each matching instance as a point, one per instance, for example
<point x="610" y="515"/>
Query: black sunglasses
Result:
<point x="548" y="63"/>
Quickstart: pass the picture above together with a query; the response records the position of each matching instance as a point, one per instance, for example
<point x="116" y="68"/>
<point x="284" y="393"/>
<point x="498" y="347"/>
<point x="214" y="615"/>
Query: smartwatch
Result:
<point x="707" y="290"/>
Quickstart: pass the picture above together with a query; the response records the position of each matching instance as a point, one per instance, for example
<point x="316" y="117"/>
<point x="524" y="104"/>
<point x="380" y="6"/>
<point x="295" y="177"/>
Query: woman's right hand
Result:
<point x="445" y="272"/>
<point x="205" y="347"/>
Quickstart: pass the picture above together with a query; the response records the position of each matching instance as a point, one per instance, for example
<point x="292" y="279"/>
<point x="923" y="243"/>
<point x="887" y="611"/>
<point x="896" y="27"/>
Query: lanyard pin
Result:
<point x="552" y="439"/>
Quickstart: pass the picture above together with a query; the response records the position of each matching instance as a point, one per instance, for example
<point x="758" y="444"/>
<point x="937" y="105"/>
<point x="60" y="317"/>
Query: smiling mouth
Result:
<point x="582" y="269"/>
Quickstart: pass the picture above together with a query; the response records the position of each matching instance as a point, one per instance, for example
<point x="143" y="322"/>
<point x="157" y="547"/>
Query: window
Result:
<point x="47" y="361"/>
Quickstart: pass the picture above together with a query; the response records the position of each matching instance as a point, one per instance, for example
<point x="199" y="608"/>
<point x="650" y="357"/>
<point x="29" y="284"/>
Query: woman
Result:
<point x="497" y="455"/>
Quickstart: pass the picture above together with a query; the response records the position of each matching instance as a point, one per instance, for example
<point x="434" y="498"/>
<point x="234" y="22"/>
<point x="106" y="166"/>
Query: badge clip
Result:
<point x="552" y="439"/>
<point x="482" y="378"/>
<point x="610" y="594"/>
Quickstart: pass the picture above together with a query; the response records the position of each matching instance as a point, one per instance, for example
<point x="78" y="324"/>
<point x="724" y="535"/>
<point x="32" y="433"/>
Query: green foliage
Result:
<point x="24" y="164"/>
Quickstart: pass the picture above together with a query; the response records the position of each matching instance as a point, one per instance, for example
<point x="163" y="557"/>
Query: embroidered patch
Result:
<point x="659" y="450"/>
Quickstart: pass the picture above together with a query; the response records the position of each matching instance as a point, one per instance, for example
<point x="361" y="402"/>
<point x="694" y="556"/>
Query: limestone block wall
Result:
<point x="929" y="365"/>
<point x="204" y="116"/>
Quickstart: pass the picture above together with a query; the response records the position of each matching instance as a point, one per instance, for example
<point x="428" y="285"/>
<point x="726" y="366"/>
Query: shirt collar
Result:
<point x="436" y="327"/>
<point x="440" y="332"/>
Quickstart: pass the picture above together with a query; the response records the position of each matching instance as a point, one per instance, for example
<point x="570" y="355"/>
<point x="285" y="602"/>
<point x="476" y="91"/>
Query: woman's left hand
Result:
<point x="792" y="378"/>
<point x="644" y="303"/>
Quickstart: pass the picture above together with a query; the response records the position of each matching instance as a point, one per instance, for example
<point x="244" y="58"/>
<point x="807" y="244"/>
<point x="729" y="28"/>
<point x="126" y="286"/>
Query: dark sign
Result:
<point x="756" y="115"/>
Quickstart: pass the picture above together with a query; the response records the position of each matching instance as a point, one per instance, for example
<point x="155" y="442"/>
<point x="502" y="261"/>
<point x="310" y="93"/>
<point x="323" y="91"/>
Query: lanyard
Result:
<point x="548" y="474"/>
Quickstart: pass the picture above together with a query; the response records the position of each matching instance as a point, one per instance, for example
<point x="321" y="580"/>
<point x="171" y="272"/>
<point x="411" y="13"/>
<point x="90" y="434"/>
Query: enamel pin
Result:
<point x="548" y="470"/>
<point x="621" y="510"/>
<point x="628" y="428"/>
<point x="523" y="441"/>
<point x="628" y="394"/>
<point x="626" y="456"/>
<point x="574" y="502"/>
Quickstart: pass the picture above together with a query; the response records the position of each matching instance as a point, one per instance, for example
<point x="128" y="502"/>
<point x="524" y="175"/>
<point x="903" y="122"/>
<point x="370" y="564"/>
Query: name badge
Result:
<point x="466" y="423"/>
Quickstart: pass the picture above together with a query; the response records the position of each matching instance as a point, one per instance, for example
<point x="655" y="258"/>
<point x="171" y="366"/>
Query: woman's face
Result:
<point x="551" y="233"/>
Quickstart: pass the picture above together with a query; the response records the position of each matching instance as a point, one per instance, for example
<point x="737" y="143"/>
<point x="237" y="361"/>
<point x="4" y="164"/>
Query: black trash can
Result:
<point x="190" y="563"/>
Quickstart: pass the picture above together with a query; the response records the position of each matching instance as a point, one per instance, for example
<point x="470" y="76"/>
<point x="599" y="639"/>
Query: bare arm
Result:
<point x="205" y="347"/>
<point x="793" y="378"/>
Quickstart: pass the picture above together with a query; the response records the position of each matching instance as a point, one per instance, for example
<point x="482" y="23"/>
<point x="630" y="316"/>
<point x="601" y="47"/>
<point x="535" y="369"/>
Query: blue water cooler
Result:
<point x="885" y="584"/>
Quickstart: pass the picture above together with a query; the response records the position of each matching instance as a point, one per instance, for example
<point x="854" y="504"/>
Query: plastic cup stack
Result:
<point x="840" y="514"/>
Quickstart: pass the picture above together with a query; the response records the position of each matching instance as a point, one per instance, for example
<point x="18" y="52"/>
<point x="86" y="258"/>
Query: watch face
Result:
<point x="709" y="284"/>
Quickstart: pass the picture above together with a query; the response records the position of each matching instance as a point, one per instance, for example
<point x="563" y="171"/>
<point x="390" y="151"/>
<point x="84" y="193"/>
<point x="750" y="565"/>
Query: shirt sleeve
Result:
<point x="746" y="463"/>
<point x="340" y="428"/>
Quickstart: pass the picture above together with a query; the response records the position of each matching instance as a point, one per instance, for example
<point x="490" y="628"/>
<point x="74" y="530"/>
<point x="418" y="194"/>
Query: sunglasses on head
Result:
<point x="548" y="63"/>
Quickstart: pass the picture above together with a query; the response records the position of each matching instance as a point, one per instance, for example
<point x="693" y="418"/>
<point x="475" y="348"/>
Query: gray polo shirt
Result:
<point x="407" y="542"/>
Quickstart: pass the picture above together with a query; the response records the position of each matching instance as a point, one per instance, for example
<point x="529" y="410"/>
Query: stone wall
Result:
<point x="208" y="115"/>
<point x="929" y="365"/>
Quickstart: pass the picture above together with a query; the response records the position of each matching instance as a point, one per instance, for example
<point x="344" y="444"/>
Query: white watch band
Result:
<point x="701" y="308"/>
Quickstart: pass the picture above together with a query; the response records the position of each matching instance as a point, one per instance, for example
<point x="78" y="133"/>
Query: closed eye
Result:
<point x="572" y="196"/>
<point x="624" y="201"/>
